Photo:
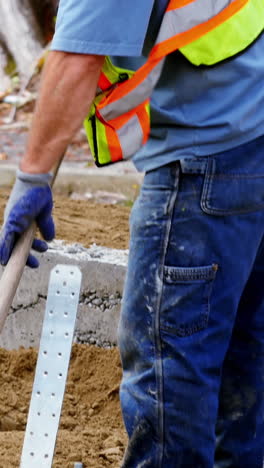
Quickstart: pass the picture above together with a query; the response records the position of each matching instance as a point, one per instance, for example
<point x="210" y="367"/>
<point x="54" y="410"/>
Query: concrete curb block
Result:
<point x="100" y="300"/>
<point x="76" y="177"/>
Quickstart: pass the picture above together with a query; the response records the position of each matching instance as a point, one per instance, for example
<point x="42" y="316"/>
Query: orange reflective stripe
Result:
<point x="175" y="4"/>
<point x="184" y="23"/>
<point x="103" y="82"/>
<point x="162" y="49"/>
<point x="143" y="117"/>
<point x="113" y="144"/>
<point x="181" y="40"/>
<point x="118" y="122"/>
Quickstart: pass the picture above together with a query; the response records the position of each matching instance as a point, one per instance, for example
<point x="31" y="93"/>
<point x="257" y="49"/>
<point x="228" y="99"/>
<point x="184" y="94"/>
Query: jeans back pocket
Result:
<point x="186" y="299"/>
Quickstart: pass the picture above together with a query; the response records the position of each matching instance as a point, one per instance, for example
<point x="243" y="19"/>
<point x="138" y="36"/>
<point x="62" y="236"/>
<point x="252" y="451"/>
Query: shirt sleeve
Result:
<point x="102" y="27"/>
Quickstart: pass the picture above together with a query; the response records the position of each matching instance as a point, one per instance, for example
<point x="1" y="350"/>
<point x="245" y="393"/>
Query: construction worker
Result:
<point x="191" y="333"/>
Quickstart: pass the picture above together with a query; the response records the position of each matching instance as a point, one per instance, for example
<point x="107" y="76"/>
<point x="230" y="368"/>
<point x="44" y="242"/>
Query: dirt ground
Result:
<point x="87" y="222"/>
<point x="91" y="429"/>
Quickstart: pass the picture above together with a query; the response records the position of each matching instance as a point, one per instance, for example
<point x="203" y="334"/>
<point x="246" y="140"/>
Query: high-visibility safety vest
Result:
<point x="205" y="31"/>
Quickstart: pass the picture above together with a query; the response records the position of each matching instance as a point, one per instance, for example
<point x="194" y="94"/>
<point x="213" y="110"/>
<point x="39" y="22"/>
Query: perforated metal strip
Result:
<point x="52" y="367"/>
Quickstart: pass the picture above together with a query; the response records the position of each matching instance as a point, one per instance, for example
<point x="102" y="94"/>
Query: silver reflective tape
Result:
<point x="130" y="136"/>
<point x="185" y="18"/>
<point x="52" y="367"/>
<point x="135" y="97"/>
<point x="174" y="22"/>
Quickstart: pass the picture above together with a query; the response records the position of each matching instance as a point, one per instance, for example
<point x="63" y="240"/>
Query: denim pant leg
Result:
<point x="240" y="425"/>
<point x="141" y="390"/>
<point x="192" y="250"/>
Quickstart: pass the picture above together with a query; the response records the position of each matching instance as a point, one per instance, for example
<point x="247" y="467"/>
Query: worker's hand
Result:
<point x="30" y="200"/>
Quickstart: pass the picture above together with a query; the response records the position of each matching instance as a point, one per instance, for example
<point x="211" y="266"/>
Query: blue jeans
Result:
<point x="191" y="333"/>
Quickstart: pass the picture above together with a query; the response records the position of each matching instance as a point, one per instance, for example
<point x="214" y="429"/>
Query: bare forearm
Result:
<point x="68" y="89"/>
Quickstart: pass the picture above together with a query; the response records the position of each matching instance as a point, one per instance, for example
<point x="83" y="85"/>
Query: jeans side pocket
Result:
<point x="186" y="299"/>
<point x="231" y="190"/>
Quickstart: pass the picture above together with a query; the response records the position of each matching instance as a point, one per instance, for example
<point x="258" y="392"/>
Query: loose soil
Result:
<point x="87" y="222"/>
<point x="91" y="429"/>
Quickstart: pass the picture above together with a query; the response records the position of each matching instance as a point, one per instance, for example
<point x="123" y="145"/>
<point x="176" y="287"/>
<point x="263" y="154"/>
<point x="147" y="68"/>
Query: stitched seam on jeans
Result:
<point x="206" y="186"/>
<point x="185" y="274"/>
<point x="218" y="211"/>
<point x="160" y="273"/>
<point x="210" y="179"/>
<point x="185" y="331"/>
<point x="188" y="331"/>
<point x="220" y="175"/>
<point x="207" y="192"/>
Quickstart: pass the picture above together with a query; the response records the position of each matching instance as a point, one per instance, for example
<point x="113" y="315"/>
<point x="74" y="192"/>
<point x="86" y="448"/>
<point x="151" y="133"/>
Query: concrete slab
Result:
<point x="99" y="306"/>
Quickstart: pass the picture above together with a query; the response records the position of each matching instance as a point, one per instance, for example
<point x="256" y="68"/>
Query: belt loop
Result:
<point x="194" y="165"/>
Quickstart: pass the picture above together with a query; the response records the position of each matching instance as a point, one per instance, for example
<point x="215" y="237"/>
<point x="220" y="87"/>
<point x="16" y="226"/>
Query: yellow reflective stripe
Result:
<point x="113" y="73"/>
<point x="218" y="42"/>
<point x="103" y="156"/>
<point x="212" y="54"/>
<point x="187" y="17"/>
<point x="130" y="136"/>
<point x="229" y="38"/>
<point x="89" y="131"/>
<point x="97" y="138"/>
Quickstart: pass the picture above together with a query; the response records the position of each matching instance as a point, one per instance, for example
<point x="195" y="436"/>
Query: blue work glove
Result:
<point x="30" y="200"/>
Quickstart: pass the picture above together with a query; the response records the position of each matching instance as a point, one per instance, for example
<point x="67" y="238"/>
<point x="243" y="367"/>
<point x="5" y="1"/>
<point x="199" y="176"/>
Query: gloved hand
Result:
<point x="30" y="199"/>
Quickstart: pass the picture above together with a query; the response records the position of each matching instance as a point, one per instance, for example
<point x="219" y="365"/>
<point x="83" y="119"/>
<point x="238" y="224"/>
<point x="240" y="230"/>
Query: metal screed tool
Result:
<point x="52" y="367"/>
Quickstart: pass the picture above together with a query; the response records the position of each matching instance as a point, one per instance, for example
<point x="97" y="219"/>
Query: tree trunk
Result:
<point x="4" y="79"/>
<point x="21" y="36"/>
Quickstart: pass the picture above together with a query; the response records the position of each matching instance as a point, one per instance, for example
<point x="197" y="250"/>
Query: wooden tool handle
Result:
<point x="13" y="271"/>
